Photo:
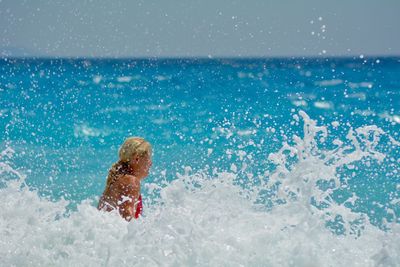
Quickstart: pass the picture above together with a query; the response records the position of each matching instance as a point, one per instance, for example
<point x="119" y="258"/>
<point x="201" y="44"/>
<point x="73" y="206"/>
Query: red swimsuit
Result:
<point x="139" y="207"/>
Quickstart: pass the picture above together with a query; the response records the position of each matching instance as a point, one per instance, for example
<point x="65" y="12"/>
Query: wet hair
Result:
<point x="133" y="146"/>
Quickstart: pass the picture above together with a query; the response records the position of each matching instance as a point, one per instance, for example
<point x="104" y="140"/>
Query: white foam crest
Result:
<point x="121" y="109"/>
<point x="160" y="121"/>
<point x="243" y="75"/>
<point x="158" y="107"/>
<point x="199" y="220"/>
<point x="323" y="105"/>
<point x="6" y="171"/>
<point x="333" y="82"/>
<point x="246" y="132"/>
<point x="162" y="77"/>
<point x="124" y="79"/>
<point x="392" y="118"/>
<point x="3" y="112"/>
<point x="84" y="130"/>
<point x="368" y="85"/>
<point x="300" y="103"/>
<point x="360" y="95"/>
<point x="97" y="79"/>
<point x="300" y="166"/>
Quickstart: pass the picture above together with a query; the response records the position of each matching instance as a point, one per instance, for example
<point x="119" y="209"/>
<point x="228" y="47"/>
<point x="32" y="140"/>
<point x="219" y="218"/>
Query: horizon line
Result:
<point x="359" y="57"/>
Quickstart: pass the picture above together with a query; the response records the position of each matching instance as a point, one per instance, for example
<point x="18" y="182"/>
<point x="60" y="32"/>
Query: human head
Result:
<point x="134" y="146"/>
<point x="137" y="153"/>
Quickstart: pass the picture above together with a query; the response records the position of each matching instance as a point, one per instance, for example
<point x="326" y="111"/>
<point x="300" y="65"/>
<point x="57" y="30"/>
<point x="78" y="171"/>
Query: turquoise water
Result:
<point x="307" y="148"/>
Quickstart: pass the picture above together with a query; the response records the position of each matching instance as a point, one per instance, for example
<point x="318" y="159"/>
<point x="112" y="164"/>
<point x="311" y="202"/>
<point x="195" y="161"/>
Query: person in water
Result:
<point x="122" y="190"/>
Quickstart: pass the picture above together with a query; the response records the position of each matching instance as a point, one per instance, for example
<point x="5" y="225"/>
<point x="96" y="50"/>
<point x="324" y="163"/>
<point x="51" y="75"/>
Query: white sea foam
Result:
<point x="129" y="110"/>
<point x="335" y="124"/>
<point x="158" y="107"/>
<point x="161" y="78"/>
<point x="3" y="112"/>
<point x="199" y="220"/>
<point x="323" y="105"/>
<point x="329" y="82"/>
<point x="84" y="130"/>
<point x="361" y="96"/>
<point x="97" y="79"/>
<point x="299" y="103"/>
<point x="364" y="112"/>
<point x="160" y="121"/>
<point x="250" y="75"/>
<point x="391" y="118"/>
<point x="246" y="132"/>
<point x="368" y="85"/>
<point x="124" y="79"/>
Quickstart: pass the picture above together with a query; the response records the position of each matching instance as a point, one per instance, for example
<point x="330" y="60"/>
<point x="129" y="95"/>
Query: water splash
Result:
<point x="201" y="220"/>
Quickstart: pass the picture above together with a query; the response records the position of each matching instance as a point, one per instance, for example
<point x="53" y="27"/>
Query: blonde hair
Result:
<point x="134" y="146"/>
<point x="131" y="147"/>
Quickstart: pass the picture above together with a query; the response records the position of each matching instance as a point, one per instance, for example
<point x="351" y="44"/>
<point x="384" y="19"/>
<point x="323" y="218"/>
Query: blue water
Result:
<point x="65" y="119"/>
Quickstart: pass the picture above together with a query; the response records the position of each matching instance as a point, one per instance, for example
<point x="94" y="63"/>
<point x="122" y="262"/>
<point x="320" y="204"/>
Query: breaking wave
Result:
<point x="291" y="216"/>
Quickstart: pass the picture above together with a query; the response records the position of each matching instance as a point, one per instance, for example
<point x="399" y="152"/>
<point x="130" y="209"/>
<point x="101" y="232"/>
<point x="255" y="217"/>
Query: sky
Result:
<point x="207" y="28"/>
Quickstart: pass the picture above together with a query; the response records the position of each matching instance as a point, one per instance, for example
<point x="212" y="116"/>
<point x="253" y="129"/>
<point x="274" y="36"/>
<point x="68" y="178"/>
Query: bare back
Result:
<point x="121" y="193"/>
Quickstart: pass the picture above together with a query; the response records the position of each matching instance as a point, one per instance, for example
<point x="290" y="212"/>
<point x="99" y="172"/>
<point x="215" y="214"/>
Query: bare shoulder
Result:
<point x="129" y="181"/>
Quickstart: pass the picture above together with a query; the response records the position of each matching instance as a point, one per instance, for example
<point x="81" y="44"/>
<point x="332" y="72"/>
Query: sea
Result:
<point x="256" y="161"/>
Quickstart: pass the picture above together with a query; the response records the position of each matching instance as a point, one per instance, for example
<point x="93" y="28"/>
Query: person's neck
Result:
<point x="128" y="168"/>
<point x="135" y="173"/>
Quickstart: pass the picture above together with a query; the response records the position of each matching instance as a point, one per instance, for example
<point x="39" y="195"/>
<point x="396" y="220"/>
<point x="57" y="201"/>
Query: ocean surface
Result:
<point x="257" y="162"/>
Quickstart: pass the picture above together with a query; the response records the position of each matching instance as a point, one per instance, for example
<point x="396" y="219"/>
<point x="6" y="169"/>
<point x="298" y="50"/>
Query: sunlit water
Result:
<point x="277" y="162"/>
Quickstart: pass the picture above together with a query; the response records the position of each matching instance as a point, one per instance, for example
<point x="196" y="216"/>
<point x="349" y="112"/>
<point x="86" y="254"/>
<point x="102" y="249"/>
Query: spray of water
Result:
<point x="201" y="220"/>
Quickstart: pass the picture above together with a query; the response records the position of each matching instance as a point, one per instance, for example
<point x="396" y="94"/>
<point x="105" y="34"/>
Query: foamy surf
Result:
<point x="284" y="219"/>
